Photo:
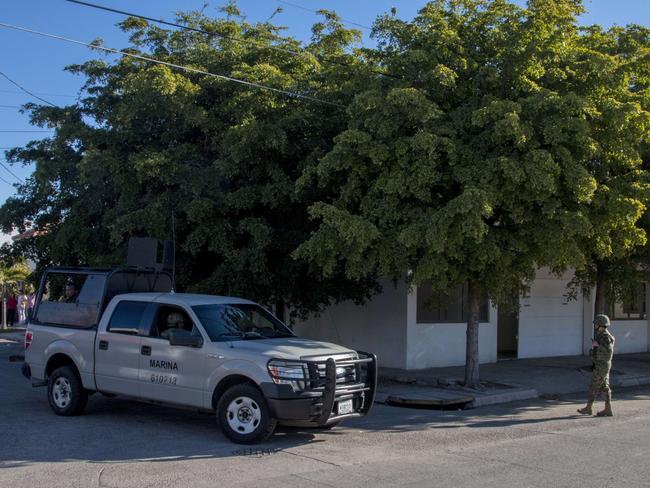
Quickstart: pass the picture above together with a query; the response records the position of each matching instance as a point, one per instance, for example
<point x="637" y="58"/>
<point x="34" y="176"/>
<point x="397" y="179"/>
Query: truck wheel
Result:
<point x="65" y="392"/>
<point x="244" y="416"/>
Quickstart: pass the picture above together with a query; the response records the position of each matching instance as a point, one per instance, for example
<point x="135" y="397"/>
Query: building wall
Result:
<point x="631" y="335"/>
<point x="438" y="345"/>
<point x="379" y="326"/>
<point x="549" y="323"/>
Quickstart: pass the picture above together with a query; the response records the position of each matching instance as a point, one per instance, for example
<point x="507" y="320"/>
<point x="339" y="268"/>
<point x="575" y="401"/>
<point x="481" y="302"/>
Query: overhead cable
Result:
<point x="5" y="181"/>
<point x="22" y="88"/>
<point x="172" y="65"/>
<point x="253" y="42"/>
<point x="186" y="27"/>
<point x="38" y="93"/>
<point x="11" y="172"/>
<point x="316" y="12"/>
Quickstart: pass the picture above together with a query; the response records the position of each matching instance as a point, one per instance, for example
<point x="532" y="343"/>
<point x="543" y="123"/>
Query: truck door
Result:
<point x="173" y="374"/>
<point x="117" y="349"/>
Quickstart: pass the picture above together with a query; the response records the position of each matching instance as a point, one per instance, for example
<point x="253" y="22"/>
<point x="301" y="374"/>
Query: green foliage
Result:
<point x="512" y="140"/>
<point x="474" y="167"/>
<point x="612" y="75"/>
<point x="148" y="141"/>
<point x="11" y="274"/>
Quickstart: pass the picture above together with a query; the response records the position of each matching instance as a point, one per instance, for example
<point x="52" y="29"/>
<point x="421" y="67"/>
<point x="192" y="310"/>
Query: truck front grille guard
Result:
<point x="364" y="381"/>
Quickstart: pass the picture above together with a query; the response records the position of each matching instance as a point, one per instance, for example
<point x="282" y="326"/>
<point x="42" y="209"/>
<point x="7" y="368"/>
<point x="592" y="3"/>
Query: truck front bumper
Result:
<point x="317" y="404"/>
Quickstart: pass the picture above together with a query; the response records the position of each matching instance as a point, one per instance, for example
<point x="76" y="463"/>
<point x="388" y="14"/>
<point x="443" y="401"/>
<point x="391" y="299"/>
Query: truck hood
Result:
<point x="291" y="348"/>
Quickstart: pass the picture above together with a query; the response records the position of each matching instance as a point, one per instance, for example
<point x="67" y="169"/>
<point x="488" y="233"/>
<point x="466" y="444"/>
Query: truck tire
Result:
<point x="65" y="392"/>
<point x="244" y="416"/>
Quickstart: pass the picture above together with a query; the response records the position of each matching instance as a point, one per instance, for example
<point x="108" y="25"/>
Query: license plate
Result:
<point x="345" y="407"/>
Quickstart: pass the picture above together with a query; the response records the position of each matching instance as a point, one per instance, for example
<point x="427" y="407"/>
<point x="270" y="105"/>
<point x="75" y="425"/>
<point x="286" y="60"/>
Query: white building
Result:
<point x="406" y="333"/>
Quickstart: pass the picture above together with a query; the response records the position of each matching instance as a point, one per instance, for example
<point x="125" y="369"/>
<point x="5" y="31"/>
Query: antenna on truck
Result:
<point x="173" y="253"/>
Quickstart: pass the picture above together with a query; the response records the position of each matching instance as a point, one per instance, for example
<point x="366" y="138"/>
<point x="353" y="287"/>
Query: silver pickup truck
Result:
<point x="122" y="332"/>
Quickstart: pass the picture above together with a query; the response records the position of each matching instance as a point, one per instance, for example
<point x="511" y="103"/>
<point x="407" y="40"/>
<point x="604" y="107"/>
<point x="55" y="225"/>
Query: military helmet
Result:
<point x="601" y="321"/>
<point x="175" y="319"/>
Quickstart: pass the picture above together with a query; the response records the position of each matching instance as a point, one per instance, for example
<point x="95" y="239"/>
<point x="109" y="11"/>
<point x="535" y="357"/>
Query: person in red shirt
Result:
<point x="12" y="304"/>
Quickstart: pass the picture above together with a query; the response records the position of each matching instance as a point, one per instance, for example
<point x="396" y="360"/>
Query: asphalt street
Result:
<point x="120" y="443"/>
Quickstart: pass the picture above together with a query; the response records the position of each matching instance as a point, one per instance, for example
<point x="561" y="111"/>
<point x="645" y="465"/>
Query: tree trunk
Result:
<point x="601" y="290"/>
<point x="471" y="349"/>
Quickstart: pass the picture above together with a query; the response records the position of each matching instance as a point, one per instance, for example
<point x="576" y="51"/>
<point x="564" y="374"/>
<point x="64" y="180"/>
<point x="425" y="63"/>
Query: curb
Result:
<point x="507" y="397"/>
<point x="437" y="404"/>
<point x="636" y="381"/>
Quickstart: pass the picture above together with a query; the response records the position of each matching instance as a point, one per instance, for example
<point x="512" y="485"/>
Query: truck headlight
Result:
<point x="287" y="373"/>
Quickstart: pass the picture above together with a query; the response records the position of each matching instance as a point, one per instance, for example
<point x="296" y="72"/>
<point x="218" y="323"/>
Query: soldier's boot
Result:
<point x="607" y="412"/>
<point x="587" y="410"/>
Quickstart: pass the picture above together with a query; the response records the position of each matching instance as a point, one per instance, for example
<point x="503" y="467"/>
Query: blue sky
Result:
<point x="38" y="63"/>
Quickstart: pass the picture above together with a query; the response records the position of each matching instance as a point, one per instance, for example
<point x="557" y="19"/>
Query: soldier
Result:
<point x="601" y="353"/>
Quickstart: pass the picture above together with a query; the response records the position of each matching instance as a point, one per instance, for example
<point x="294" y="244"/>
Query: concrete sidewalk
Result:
<point x="507" y="381"/>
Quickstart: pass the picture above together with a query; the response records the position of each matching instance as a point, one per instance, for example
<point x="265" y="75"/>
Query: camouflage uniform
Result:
<point x="602" y="358"/>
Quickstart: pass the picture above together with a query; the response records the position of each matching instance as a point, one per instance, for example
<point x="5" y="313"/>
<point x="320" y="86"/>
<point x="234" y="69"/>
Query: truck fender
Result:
<point x="83" y="365"/>
<point x="233" y="367"/>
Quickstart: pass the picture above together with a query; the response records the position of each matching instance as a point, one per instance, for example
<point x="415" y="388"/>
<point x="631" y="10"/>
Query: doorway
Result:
<point x="507" y="334"/>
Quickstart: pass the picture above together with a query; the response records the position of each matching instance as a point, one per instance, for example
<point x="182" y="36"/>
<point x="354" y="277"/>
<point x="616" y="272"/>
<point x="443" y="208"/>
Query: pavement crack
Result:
<point x="97" y="481"/>
<point x="310" y="457"/>
<point x="304" y="478"/>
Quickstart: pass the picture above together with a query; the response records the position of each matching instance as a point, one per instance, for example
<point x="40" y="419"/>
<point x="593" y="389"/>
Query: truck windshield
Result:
<point x="231" y="322"/>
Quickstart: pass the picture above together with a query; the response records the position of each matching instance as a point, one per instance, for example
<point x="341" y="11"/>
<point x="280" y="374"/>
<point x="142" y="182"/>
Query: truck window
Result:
<point x="169" y="317"/>
<point x="239" y="322"/>
<point x="127" y="317"/>
<point x="70" y="299"/>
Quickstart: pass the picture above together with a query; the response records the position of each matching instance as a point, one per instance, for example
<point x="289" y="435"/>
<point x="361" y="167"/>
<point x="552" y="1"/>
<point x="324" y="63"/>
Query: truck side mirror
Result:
<point x="181" y="337"/>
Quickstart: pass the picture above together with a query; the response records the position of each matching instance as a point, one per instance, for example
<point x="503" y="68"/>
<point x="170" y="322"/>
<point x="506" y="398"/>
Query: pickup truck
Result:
<point x="123" y="332"/>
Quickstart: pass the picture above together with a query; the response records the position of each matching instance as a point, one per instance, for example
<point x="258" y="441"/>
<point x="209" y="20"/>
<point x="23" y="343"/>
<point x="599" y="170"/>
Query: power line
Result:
<point x="223" y="36"/>
<point x="172" y="65"/>
<point x="186" y="27"/>
<point x="9" y="106"/>
<point x="11" y="172"/>
<point x="38" y="93"/>
<point x="21" y="131"/>
<point x="316" y="12"/>
<point x="5" y="181"/>
<point x="22" y="88"/>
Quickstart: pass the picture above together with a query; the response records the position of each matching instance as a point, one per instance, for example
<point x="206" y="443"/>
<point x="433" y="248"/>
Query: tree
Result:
<point x="148" y="142"/>
<point x="10" y="275"/>
<point x="613" y="76"/>
<point x="471" y="169"/>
